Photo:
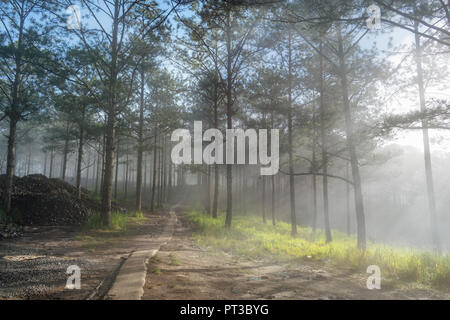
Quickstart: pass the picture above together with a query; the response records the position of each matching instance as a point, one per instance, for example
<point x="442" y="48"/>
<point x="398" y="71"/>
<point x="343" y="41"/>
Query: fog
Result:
<point x="394" y="189"/>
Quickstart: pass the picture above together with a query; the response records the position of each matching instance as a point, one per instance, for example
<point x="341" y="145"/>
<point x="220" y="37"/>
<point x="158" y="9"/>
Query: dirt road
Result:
<point x="34" y="266"/>
<point x="184" y="270"/>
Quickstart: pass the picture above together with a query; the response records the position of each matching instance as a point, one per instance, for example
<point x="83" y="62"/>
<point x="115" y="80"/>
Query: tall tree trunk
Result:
<point x="94" y="165"/>
<point x="359" y="201"/>
<point x="426" y="147"/>
<point x="244" y="184"/>
<point x="229" y="92"/>
<point x="14" y="115"/>
<point x="263" y="200"/>
<point x="127" y="165"/>
<point x="29" y="160"/>
<point x="140" y="146"/>
<point x="144" y="188"/>
<point x="87" y="169"/>
<point x="290" y="146"/>
<point x="65" y="152"/>
<point x="208" y="191"/>
<point x="164" y="174"/>
<point x="10" y="164"/>
<point x="272" y="179"/>
<point x="314" y="168"/>
<point x="80" y="158"/>
<point x="170" y="183"/>
<point x="158" y="180"/>
<point x="50" y="175"/>
<point x="152" y="204"/>
<point x="103" y="163"/>
<point x="216" y="191"/>
<point x="216" y="166"/>
<point x="45" y="163"/>
<point x="323" y="135"/>
<point x="97" y="177"/>
<point x="179" y="172"/>
<point x="116" y="180"/>
<point x="347" y="193"/>
<point x="111" y="121"/>
<point x="160" y="172"/>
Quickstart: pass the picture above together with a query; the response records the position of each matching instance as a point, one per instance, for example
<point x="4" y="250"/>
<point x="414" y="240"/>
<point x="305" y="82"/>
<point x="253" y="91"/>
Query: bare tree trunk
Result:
<point x="158" y="180"/>
<point x="426" y="147"/>
<point x="93" y="170"/>
<point x="116" y="180"/>
<point x="152" y="204"/>
<point x="216" y="166"/>
<point x="359" y="201"/>
<point x="164" y="176"/>
<point x="168" y="177"/>
<point x="272" y="178"/>
<point x="229" y="91"/>
<point x="45" y="164"/>
<point x="51" y="163"/>
<point x="127" y="164"/>
<point x="10" y="164"/>
<point x="80" y="160"/>
<point x="13" y="116"/>
<point x="347" y="190"/>
<point x="98" y="172"/>
<point x="87" y="169"/>
<point x="208" y="191"/>
<point x="314" y="166"/>
<point x="111" y="122"/>
<point x="290" y="146"/>
<point x="244" y="184"/>
<point x="140" y="145"/>
<point x="65" y="152"/>
<point x="132" y="176"/>
<point x="263" y="201"/>
<point x="179" y="172"/>
<point x="145" y="175"/>
<point x="29" y="160"/>
<point x="103" y="162"/>
<point x="160" y="172"/>
<point x="169" y="191"/>
<point x="323" y="134"/>
<point x="216" y="191"/>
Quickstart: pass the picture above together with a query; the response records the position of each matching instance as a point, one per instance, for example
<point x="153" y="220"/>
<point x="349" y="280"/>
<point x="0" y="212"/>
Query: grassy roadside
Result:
<point x="250" y="237"/>
<point x="95" y="234"/>
<point x="119" y="221"/>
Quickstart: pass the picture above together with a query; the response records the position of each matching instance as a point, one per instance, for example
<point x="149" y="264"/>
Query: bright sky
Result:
<point x="402" y="105"/>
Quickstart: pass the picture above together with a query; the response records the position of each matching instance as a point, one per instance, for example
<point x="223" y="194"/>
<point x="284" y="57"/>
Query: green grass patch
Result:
<point x="250" y="237"/>
<point x="95" y="234"/>
<point x="156" y="271"/>
<point x="137" y="217"/>
<point x="118" y="222"/>
<point x="173" y="260"/>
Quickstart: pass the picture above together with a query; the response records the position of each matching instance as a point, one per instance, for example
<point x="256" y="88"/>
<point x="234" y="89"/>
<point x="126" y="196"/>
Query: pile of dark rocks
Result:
<point x="9" y="231"/>
<point x="38" y="200"/>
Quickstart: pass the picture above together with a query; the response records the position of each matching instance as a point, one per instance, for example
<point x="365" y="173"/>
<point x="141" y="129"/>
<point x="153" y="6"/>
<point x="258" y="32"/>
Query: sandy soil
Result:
<point x="184" y="270"/>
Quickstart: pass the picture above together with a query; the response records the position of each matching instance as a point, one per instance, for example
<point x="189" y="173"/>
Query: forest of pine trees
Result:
<point x="94" y="103"/>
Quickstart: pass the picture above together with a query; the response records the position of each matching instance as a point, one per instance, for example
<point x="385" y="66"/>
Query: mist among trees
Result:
<point x="361" y="104"/>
